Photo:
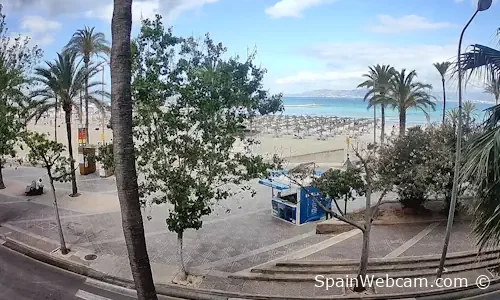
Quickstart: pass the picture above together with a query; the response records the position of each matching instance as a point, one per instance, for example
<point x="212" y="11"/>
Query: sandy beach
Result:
<point x="324" y="146"/>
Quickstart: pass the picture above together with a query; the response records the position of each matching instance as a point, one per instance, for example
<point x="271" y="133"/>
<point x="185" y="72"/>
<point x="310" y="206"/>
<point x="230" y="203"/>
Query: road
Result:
<point x="23" y="278"/>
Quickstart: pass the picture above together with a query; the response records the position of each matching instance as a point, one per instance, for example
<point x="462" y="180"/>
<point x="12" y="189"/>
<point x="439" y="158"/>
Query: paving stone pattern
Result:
<point x="238" y="226"/>
<point x="383" y="240"/>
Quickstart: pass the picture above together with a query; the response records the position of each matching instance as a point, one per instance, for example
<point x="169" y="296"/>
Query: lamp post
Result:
<point x="482" y="5"/>
<point x="103" y="112"/>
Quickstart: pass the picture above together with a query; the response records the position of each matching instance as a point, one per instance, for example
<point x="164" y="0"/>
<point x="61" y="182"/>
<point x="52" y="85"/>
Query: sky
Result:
<point x="304" y="44"/>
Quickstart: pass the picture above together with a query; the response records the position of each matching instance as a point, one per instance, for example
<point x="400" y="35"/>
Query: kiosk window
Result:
<point x="290" y="198"/>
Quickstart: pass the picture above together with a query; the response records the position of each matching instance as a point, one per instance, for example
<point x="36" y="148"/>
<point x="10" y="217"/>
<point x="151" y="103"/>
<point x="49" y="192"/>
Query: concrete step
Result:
<point x="295" y="277"/>
<point x="389" y="261"/>
<point x="325" y="269"/>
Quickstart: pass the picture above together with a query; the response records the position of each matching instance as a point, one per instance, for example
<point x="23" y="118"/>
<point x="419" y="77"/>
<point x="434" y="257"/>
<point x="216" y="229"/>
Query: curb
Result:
<point x="172" y="290"/>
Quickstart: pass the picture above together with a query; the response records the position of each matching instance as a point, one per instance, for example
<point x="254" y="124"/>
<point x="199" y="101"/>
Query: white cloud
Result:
<point x="292" y="8"/>
<point x="39" y="29"/>
<point x="103" y="9"/>
<point x="346" y="62"/>
<point x="177" y="7"/>
<point x="140" y="9"/>
<point x="149" y="8"/>
<point x="409" y="23"/>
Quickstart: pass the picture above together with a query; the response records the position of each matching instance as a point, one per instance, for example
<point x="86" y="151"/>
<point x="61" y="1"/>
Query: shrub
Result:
<point x="105" y="156"/>
<point x="420" y="164"/>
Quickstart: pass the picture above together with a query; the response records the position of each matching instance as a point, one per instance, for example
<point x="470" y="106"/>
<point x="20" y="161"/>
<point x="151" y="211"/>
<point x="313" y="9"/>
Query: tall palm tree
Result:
<point x="123" y="143"/>
<point x="62" y="80"/>
<point x="493" y="88"/>
<point x="377" y="82"/>
<point x="404" y="93"/>
<point x="87" y="43"/>
<point x="442" y="68"/>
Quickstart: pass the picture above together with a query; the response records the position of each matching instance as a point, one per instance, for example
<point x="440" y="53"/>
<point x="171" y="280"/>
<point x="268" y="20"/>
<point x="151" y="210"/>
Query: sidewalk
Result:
<point x="240" y="235"/>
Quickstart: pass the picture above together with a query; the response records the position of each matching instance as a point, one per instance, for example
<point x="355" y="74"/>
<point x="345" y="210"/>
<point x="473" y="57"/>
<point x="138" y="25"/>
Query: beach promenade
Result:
<point x="241" y="234"/>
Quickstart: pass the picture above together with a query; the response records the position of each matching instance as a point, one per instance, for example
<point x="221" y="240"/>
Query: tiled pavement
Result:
<point x="239" y="235"/>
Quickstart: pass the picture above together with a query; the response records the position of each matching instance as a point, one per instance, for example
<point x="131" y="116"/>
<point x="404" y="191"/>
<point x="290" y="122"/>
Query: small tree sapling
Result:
<point x="371" y="183"/>
<point x="340" y="185"/>
<point x="49" y="154"/>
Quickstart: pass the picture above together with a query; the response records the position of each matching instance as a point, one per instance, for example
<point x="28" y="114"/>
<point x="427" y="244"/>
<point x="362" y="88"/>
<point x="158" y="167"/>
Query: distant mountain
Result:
<point x="326" y="93"/>
<point x="472" y="95"/>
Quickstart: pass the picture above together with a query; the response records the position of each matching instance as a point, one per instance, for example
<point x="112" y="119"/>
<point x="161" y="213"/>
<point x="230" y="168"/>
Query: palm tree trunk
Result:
<point x="444" y="100"/>
<point x="55" y="122"/>
<point x="374" y="124"/>
<point x="64" y="250"/>
<point x="87" y="100"/>
<point x="2" y="184"/>
<point x="123" y="147"/>
<point x="382" y="129"/>
<point x="402" y="121"/>
<point x="81" y="109"/>
<point x="74" y="189"/>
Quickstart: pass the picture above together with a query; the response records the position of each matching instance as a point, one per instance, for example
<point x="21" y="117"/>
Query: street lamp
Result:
<point x="482" y="5"/>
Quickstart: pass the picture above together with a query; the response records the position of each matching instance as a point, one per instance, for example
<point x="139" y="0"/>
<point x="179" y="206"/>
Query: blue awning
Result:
<point x="274" y="184"/>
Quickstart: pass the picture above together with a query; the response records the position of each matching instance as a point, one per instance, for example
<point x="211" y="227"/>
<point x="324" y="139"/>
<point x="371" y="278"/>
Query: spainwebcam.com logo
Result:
<point x="482" y="282"/>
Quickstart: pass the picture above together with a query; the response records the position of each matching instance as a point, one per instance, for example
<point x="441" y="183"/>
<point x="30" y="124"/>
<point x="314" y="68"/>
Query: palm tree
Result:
<point x="123" y="143"/>
<point x="493" y="87"/>
<point x="378" y="79"/>
<point x="442" y="69"/>
<point x="469" y="112"/>
<point x="452" y="117"/>
<point x="405" y="93"/>
<point x="482" y="154"/>
<point x="87" y="43"/>
<point x="481" y="168"/>
<point x="61" y="81"/>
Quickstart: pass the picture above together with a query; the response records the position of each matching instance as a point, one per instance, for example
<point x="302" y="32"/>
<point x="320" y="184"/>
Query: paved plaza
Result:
<point x="239" y="235"/>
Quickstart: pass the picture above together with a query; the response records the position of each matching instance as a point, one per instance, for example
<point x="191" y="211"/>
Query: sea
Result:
<point x="357" y="108"/>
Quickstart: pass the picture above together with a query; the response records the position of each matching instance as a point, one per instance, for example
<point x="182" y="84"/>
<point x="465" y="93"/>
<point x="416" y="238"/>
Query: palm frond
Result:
<point x="493" y="116"/>
<point x="481" y="60"/>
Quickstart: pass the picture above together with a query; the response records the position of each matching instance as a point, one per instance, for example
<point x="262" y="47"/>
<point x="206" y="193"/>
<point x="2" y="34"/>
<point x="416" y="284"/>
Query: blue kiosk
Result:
<point x="292" y="202"/>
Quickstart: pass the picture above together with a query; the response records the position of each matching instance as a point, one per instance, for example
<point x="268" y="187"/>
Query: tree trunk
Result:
<point x="444" y="100"/>
<point x="402" y="121"/>
<point x="382" y="129"/>
<point x="2" y="184"/>
<point x="123" y="147"/>
<point x="81" y="109"/>
<point x="365" y="250"/>
<point x="55" y="122"/>
<point x="74" y="189"/>
<point x="86" y="60"/>
<point x="181" y="257"/>
<point x="374" y="124"/>
<point x="64" y="250"/>
<point x="345" y="206"/>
